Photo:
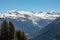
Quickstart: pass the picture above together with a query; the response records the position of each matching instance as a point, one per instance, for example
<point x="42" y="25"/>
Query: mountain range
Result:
<point x="29" y="22"/>
<point x="50" y="32"/>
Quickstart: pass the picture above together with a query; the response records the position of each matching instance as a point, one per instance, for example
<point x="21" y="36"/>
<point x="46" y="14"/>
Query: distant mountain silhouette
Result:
<point x="50" y="32"/>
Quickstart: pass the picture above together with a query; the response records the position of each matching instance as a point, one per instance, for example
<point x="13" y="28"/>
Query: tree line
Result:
<point x="8" y="32"/>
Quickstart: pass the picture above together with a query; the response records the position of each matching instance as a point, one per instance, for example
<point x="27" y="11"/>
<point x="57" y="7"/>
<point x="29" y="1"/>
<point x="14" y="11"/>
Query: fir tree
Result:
<point x="11" y="31"/>
<point x="0" y="31"/>
<point x="24" y="36"/>
<point x="18" y="35"/>
<point x="4" y="30"/>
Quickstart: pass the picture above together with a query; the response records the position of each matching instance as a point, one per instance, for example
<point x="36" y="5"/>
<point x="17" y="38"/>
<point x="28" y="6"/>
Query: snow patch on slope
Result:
<point x="30" y="22"/>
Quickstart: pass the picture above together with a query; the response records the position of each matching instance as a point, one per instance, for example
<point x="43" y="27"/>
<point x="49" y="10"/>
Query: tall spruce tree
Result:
<point x="24" y="37"/>
<point x="18" y="35"/>
<point x="0" y="31"/>
<point x="4" y="30"/>
<point x="11" y="31"/>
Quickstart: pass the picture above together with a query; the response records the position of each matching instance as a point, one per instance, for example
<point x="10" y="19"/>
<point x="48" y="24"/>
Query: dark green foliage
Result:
<point x="4" y="31"/>
<point x="24" y="36"/>
<point x="11" y="31"/>
<point x="18" y="35"/>
<point x="0" y="31"/>
<point x="8" y="32"/>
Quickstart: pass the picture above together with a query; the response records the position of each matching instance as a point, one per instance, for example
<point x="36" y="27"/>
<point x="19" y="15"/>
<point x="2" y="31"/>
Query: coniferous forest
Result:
<point x="8" y="32"/>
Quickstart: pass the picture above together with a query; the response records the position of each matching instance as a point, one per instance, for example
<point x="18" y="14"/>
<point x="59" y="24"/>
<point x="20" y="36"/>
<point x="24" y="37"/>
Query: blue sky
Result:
<point x="29" y="5"/>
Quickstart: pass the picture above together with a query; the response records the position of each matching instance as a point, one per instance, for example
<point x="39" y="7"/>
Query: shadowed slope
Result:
<point x="50" y="32"/>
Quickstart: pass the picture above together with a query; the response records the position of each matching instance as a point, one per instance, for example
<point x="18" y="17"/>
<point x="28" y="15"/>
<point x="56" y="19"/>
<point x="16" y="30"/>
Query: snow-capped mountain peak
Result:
<point x="29" y="22"/>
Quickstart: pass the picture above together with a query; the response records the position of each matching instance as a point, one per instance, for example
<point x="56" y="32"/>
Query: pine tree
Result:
<point x="11" y="31"/>
<point x="18" y="35"/>
<point x="24" y="36"/>
<point x="0" y="31"/>
<point x="15" y="38"/>
<point x="4" y="30"/>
